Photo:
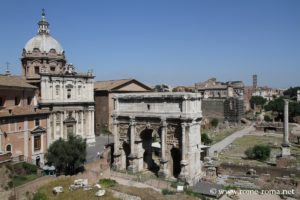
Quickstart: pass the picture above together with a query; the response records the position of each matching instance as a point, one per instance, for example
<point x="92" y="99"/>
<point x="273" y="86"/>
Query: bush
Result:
<point x="205" y="139"/>
<point x="39" y="196"/>
<point x="267" y="118"/>
<point x="106" y="182"/>
<point x="29" y="168"/>
<point x="258" y="152"/>
<point x="214" y="122"/>
<point x="167" y="192"/>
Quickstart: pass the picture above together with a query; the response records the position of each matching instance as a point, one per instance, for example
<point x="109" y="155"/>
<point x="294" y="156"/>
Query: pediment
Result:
<point x="38" y="130"/>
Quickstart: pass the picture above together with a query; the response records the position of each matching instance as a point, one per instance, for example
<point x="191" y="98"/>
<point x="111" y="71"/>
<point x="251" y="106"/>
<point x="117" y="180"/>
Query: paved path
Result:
<point x="228" y="140"/>
<point x="101" y="141"/>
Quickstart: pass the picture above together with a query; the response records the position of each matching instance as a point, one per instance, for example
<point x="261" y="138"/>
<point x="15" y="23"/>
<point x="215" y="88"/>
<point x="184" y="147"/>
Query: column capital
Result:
<point x="132" y="121"/>
<point x="164" y="122"/>
<point x="183" y="124"/>
<point x="115" y="121"/>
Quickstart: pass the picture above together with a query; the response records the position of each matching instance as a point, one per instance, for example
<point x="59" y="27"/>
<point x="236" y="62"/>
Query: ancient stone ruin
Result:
<point x="158" y="132"/>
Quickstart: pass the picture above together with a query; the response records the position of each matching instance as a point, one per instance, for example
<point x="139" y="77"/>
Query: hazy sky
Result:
<point x="164" y="41"/>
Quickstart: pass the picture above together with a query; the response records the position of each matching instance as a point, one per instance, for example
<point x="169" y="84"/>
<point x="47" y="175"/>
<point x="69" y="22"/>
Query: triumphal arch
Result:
<point x="158" y="132"/>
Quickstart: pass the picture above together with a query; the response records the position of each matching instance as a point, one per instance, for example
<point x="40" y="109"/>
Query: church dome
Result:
<point x="43" y="40"/>
<point x="44" y="43"/>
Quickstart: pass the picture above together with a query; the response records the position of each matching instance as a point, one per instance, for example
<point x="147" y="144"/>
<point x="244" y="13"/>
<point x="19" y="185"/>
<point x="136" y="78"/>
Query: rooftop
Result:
<point x="14" y="82"/>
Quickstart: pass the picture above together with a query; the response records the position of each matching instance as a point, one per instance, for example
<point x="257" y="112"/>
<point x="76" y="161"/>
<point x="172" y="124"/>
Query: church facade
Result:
<point x="67" y="93"/>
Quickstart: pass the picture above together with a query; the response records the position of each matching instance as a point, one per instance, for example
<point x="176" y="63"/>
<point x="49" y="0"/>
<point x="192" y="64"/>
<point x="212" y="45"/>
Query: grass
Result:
<point x="236" y="154"/>
<point x="106" y="183"/>
<point x="20" y="180"/>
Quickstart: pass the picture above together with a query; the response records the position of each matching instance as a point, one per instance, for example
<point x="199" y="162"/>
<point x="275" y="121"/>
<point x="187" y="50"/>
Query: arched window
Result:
<point x="8" y="148"/>
<point x="17" y="101"/>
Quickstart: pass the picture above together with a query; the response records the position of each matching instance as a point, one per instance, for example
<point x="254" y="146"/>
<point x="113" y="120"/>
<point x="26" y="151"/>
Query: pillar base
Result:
<point x="183" y="176"/>
<point x="285" y="151"/>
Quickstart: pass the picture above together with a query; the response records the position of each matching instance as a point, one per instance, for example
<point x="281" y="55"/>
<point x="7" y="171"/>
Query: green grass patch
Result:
<point x="167" y="192"/>
<point x="106" y="182"/>
<point x="20" y="180"/>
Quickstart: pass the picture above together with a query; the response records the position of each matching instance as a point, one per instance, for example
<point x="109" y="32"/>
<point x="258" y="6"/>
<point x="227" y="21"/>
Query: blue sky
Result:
<point x="164" y="41"/>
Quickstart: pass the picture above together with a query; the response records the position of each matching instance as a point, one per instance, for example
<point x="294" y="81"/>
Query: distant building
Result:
<point x="215" y="89"/>
<point x="298" y="95"/>
<point x="24" y="129"/>
<point x="268" y="93"/>
<point x="184" y="89"/>
<point x="104" y="91"/>
<point x="61" y="89"/>
<point x="222" y="100"/>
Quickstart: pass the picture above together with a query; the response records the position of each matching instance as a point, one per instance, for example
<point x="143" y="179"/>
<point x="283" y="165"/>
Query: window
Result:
<point x="69" y="93"/>
<point x="148" y="106"/>
<point x="37" y="143"/>
<point x="36" y="121"/>
<point x="29" y="99"/>
<point x="17" y="101"/>
<point x="52" y="69"/>
<point x="79" y="90"/>
<point x="8" y="148"/>
<point x="57" y="91"/>
<point x="2" y="101"/>
<point x="36" y="70"/>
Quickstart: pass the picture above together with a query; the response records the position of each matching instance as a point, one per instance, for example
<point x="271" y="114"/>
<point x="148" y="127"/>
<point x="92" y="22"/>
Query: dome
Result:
<point x="44" y="42"/>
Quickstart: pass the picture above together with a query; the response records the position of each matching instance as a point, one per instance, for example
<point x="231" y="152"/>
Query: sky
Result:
<point x="175" y="42"/>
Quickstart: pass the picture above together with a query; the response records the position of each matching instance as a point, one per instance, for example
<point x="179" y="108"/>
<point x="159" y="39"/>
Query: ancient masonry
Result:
<point x="163" y="124"/>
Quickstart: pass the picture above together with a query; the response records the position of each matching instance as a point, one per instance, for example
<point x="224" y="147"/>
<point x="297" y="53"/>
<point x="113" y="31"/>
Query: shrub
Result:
<point x="39" y="196"/>
<point x="267" y="118"/>
<point x="167" y="192"/>
<point x="10" y="184"/>
<point x="29" y="168"/>
<point x="258" y="152"/>
<point x="214" y="122"/>
<point x="106" y="182"/>
<point x="205" y="139"/>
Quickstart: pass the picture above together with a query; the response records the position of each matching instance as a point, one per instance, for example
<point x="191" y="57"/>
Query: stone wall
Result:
<point x="213" y="108"/>
<point x="237" y="170"/>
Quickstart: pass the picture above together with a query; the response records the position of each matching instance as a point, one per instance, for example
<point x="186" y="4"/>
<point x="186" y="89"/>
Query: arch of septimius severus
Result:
<point x="159" y="132"/>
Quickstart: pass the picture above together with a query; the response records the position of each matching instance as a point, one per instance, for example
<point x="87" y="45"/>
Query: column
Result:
<point x="285" y="147"/>
<point x="163" y="172"/>
<point x="183" y="176"/>
<point x="77" y="122"/>
<point x="26" y="138"/>
<point x="286" y="122"/>
<point x="132" y="167"/>
<point x="117" y="152"/>
<point x="82" y="132"/>
<point x="62" y="126"/>
<point x="54" y="126"/>
<point x="93" y="122"/>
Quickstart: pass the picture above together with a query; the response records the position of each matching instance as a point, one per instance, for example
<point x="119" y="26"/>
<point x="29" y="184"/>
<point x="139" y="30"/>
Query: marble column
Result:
<point x="285" y="147"/>
<point x="286" y="122"/>
<point x="132" y="167"/>
<point x="163" y="172"/>
<point x="184" y="163"/>
<point x="82" y="130"/>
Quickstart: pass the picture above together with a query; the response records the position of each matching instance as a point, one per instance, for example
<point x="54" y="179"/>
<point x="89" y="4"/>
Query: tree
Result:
<point x="291" y="92"/>
<point x="258" y="152"/>
<point x="257" y="100"/>
<point x="277" y="105"/>
<point x="205" y="139"/>
<point x="67" y="156"/>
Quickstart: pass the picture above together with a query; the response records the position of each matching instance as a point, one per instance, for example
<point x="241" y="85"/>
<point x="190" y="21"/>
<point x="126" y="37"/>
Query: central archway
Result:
<point x="150" y="158"/>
